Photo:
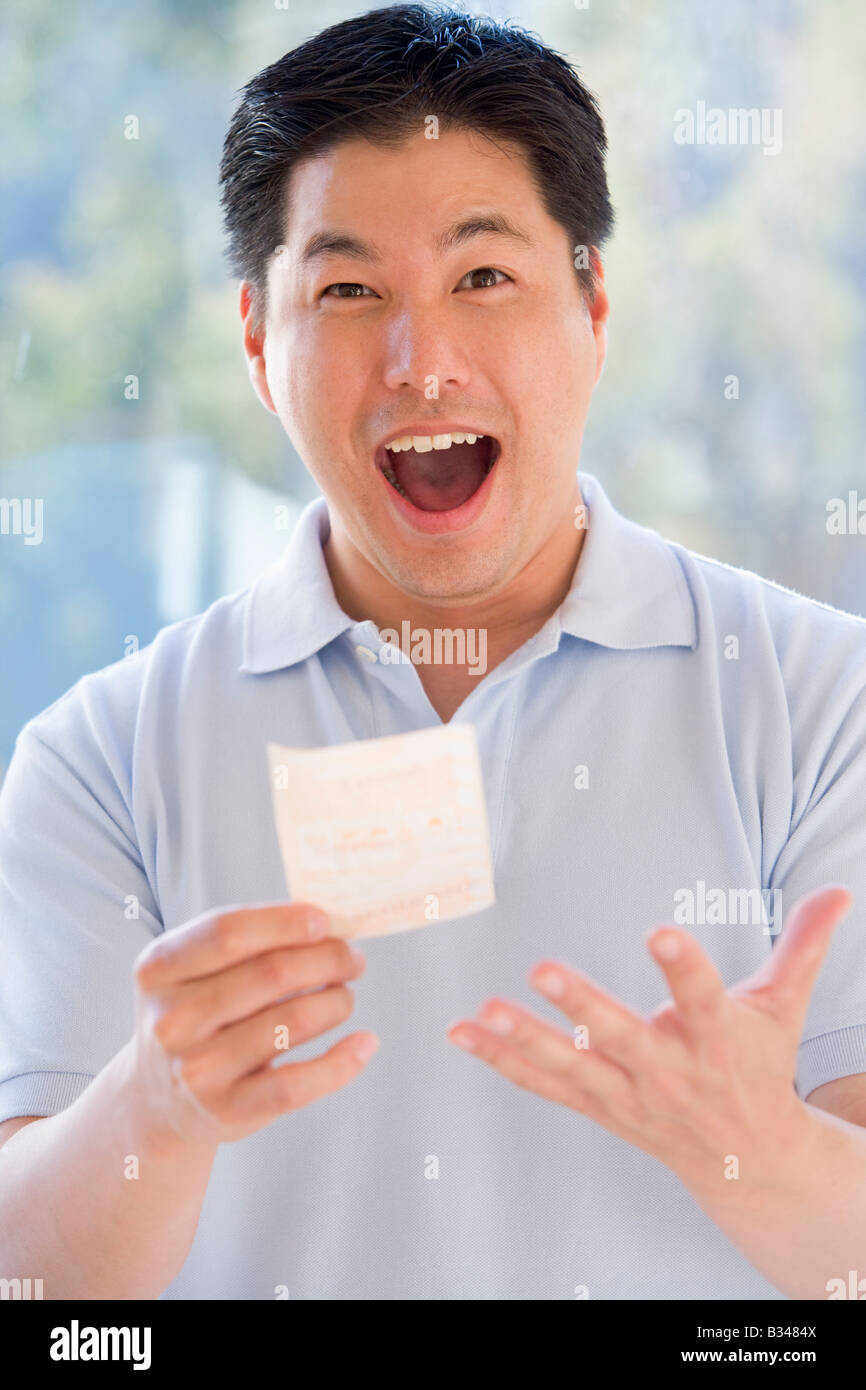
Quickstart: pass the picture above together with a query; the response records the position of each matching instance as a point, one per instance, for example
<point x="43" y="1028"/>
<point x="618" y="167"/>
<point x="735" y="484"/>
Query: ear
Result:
<point x="599" y="310"/>
<point x="254" y="346"/>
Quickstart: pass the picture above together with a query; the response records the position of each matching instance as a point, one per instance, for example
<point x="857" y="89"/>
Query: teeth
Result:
<point x="423" y="443"/>
<point x="389" y="474"/>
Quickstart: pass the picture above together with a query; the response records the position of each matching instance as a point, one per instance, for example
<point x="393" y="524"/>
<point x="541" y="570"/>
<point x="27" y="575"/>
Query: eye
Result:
<point x="485" y="270"/>
<point x="345" y="285"/>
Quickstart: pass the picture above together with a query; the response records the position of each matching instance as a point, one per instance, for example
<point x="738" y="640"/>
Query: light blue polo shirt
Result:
<point x="680" y="735"/>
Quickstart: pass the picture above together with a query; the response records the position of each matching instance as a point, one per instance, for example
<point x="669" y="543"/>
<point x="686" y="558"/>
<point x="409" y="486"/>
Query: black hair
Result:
<point x="377" y="76"/>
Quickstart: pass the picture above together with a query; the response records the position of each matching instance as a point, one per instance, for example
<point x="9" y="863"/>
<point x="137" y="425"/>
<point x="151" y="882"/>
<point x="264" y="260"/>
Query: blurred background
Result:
<point x="731" y="413"/>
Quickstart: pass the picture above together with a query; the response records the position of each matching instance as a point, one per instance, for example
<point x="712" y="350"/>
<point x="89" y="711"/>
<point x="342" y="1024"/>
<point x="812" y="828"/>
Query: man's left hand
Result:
<point x="707" y="1078"/>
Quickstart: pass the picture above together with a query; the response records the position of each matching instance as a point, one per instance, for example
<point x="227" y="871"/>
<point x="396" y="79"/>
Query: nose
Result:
<point x="423" y="350"/>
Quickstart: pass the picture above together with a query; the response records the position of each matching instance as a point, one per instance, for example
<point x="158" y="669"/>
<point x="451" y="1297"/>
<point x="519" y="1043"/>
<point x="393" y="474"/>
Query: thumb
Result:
<point x="792" y="968"/>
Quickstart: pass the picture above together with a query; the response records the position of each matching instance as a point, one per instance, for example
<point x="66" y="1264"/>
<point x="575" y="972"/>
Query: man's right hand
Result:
<point x="214" y="999"/>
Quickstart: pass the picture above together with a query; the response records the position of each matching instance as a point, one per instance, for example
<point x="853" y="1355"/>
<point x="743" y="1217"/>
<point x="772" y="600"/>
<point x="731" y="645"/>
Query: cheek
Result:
<point x="298" y="381"/>
<point x="320" y="371"/>
<point x="311" y="387"/>
<point x="555" y="386"/>
<point x="552" y="361"/>
<point x="293" y="398"/>
<point x="568" y="373"/>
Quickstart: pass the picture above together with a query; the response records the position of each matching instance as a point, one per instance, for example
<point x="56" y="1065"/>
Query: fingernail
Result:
<point x="550" y="983"/>
<point x="463" y="1039"/>
<point x="666" y="946"/>
<point x="358" y="958"/>
<point x="318" y="924"/>
<point x="365" y="1046"/>
<point x="499" y="1022"/>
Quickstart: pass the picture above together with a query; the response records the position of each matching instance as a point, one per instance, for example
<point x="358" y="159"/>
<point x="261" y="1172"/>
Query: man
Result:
<point x="664" y="739"/>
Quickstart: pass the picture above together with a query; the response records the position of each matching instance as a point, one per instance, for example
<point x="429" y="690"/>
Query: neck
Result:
<point x="508" y="617"/>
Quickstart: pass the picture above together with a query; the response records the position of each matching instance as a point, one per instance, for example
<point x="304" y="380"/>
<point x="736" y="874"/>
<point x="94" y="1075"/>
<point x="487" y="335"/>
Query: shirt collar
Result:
<point x="291" y="610"/>
<point x="628" y="590"/>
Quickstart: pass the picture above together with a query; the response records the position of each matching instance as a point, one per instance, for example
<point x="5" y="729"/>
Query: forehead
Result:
<point x="419" y="185"/>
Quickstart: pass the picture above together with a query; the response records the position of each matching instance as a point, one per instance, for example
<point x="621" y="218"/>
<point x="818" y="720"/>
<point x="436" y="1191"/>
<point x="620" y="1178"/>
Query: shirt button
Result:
<point x="365" y="654"/>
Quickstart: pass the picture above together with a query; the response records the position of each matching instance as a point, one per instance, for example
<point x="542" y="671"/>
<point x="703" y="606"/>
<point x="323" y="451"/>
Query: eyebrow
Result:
<point x="334" y="243"/>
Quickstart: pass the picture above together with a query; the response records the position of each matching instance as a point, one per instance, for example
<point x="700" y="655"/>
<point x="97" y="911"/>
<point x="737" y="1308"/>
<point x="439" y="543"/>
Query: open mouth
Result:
<point x="438" y="473"/>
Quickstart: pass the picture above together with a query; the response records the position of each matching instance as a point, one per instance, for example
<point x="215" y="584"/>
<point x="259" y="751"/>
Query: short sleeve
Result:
<point x="76" y="909"/>
<point x="827" y="844"/>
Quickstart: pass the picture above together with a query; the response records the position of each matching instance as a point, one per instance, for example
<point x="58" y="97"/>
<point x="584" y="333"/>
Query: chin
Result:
<point x="451" y="578"/>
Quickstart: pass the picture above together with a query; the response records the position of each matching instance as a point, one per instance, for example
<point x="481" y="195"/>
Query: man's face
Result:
<point x="487" y="334"/>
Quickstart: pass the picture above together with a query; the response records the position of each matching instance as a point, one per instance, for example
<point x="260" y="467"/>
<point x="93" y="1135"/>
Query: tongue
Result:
<point x="441" y="479"/>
